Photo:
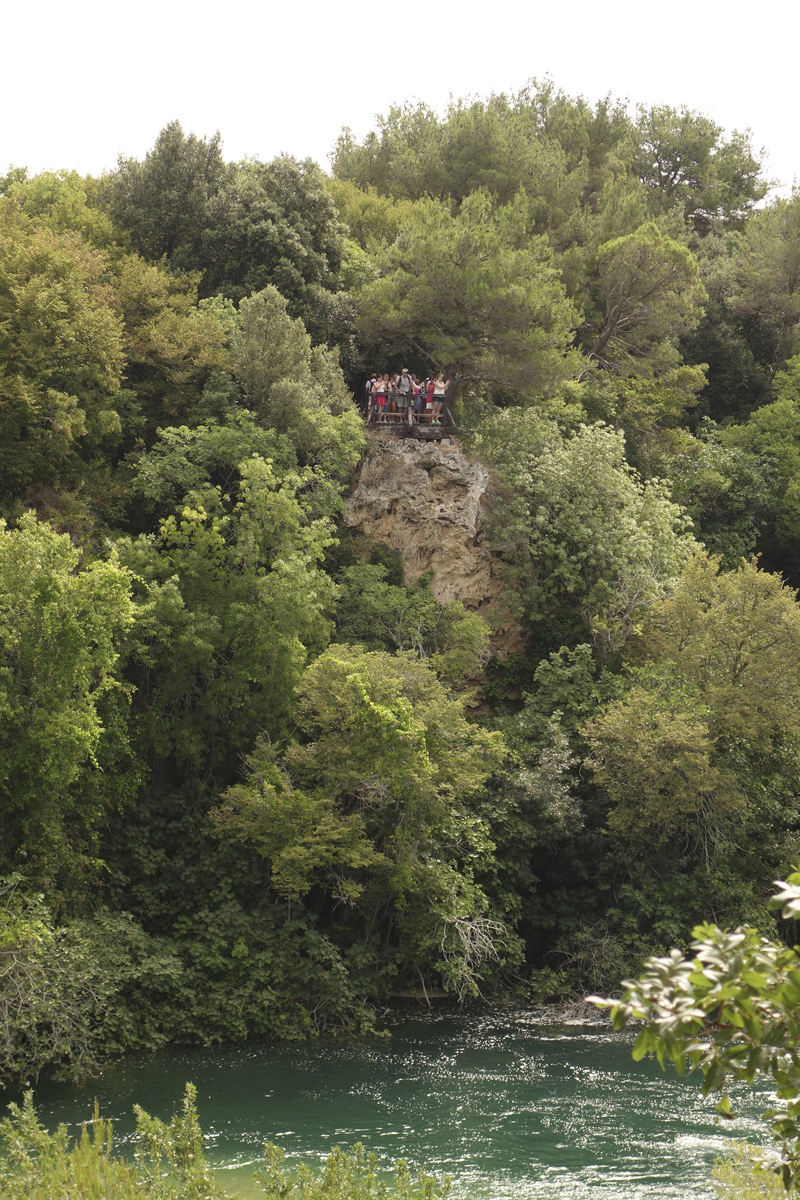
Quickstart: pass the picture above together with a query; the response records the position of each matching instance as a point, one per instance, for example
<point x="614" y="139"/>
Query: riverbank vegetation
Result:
<point x="245" y="790"/>
<point x="169" y="1164"/>
<point x="730" y="1011"/>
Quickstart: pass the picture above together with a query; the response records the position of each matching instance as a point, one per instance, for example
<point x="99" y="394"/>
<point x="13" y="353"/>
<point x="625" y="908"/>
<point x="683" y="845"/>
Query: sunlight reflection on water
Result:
<point x="511" y="1108"/>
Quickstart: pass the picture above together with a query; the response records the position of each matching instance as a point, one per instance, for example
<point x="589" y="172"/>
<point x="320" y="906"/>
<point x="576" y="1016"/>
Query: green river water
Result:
<point x="508" y="1106"/>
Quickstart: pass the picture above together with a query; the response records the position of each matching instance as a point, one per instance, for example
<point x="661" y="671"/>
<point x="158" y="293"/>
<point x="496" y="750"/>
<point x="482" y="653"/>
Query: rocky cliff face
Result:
<point x="427" y="501"/>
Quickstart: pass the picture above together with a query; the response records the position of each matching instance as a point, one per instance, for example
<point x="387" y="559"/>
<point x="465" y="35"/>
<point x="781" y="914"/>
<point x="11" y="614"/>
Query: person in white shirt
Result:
<point x="439" y="389"/>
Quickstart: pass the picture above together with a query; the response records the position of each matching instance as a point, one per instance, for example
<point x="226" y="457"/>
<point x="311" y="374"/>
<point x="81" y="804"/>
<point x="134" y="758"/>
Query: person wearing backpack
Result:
<point x="403" y="386"/>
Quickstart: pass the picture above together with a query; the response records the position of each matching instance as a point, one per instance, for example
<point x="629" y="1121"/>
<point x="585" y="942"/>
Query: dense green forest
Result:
<point x="232" y="802"/>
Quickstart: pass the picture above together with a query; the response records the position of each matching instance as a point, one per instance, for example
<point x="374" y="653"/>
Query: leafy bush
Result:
<point x="733" y="1012"/>
<point x="170" y="1164"/>
<point x="737" y="1177"/>
<point x="53" y="990"/>
<point x="346" y="1176"/>
<point x="43" y="1166"/>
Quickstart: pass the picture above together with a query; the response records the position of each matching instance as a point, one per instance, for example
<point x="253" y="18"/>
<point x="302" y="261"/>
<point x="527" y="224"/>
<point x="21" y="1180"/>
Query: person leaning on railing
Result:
<point x="439" y="389"/>
<point x="427" y="388"/>
<point x="416" y="392"/>
<point x="391" y="396"/>
<point x="391" y="399"/>
<point x="379" y="389"/>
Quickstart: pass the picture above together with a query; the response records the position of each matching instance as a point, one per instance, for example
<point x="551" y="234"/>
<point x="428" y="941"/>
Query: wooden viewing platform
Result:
<point x="410" y="425"/>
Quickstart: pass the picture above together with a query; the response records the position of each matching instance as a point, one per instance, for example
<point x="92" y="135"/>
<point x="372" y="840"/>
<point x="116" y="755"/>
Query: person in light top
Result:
<point x="379" y="396"/>
<point x="439" y="389"/>
<point x="402" y="384"/>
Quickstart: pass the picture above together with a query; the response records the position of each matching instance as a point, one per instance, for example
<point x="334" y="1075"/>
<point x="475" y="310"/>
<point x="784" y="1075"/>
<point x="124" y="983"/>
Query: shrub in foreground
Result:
<point x="170" y="1164"/>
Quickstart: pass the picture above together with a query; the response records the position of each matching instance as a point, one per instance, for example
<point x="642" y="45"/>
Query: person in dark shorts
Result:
<point x="416" y="393"/>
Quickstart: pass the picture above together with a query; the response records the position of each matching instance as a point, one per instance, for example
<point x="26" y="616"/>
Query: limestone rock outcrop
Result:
<point x="428" y="502"/>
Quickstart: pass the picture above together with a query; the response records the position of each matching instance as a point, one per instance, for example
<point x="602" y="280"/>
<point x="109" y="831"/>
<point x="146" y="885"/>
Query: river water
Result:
<point x="508" y="1106"/>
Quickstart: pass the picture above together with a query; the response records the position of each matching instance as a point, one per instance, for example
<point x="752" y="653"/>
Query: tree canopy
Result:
<point x="472" y="296"/>
<point x="260" y="770"/>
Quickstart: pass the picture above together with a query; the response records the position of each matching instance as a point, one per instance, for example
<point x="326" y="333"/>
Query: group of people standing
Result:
<point x="390" y="398"/>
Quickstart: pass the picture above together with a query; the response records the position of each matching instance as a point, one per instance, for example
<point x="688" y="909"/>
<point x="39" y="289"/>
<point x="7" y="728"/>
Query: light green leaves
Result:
<point x="345" y="1176"/>
<point x="60" y="629"/>
<point x="787" y="897"/>
<point x="733" y="1011"/>
<point x="584" y="531"/>
<point x="371" y="803"/>
<point x="297" y="391"/>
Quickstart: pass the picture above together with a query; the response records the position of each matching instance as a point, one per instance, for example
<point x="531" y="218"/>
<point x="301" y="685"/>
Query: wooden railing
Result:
<point x="409" y="422"/>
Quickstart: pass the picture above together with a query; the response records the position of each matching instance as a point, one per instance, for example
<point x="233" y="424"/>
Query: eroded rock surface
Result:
<point x="428" y="502"/>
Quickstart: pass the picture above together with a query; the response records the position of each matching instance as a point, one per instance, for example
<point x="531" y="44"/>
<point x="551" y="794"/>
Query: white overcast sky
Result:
<point x="84" y="80"/>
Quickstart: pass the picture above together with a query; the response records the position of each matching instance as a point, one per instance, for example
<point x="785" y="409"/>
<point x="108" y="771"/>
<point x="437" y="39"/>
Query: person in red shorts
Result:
<point x="379" y="397"/>
<point x="429" y="387"/>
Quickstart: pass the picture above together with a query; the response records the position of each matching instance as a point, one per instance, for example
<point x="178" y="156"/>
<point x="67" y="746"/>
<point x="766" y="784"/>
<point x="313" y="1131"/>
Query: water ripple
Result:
<point x="512" y="1108"/>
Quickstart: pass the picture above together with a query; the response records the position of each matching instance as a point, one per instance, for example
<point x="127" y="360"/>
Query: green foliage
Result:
<point x="54" y="990"/>
<point x="99" y="349"/>
<point x="726" y="339"/>
<point x="683" y="162"/>
<point x="345" y="1175"/>
<point x="728" y="492"/>
<point x="544" y="738"/>
<point x="769" y="271"/>
<point x="373" y="807"/>
<point x="167" y="388"/>
<point x="229" y="601"/>
<point x="737" y="1175"/>
<point x="649" y="293"/>
<point x="170" y="1164"/>
<point x="188" y="463"/>
<point x="169" y="1158"/>
<point x="564" y="683"/>
<point x="38" y="1165"/>
<point x="773" y="434"/>
<point x="240" y="227"/>
<point x="372" y="220"/>
<point x="589" y="177"/>
<point x="381" y="615"/>
<point x="172" y="346"/>
<point x="731" y="1011"/>
<point x="63" y="200"/>
<point x="560" y="151"/>
<point x="293" y="389"/>
<point x="61" y="354"/>
<point x="687" y="800"/>
<point x="694" y="755"/>
<point x="645" y="406"/>
<point x="472" y="294"/>
<point x="60" y="632"/>
<point x="652" y="753"/>
<point x="273" y="224"/>
<point x="735" y="636"/>
<point x="164" y="201"/>
<point x="581" y="531"/>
